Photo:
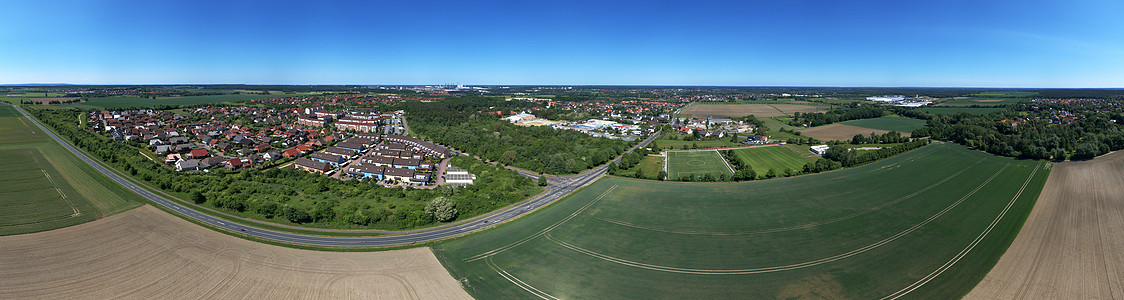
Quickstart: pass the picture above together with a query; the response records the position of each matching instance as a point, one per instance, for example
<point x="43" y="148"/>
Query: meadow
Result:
<point x="899" y="124"/>
<point x="696" y="163"/>
<point x="926" y="224"/>
<point x="778" y="158"/>
<point x="47" y="187"/>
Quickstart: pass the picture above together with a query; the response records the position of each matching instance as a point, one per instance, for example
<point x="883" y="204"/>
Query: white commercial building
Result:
<point x="819" y="149"/>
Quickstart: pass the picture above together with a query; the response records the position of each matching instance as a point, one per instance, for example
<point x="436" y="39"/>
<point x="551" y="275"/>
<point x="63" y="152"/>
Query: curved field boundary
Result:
<point x="784" y="267"/>
<point x="541" y="232"/>
<point x="972" y="245"/>
<point x="801" y="226"/>
<point x="1070" y="245"/>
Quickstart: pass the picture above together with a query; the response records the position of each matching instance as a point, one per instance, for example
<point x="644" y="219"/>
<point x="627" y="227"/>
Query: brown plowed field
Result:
<point x="1072" y="244"/>
<point x="742" y="110"/>
<point x="147" y="254"/>
<point x="840" y="132"/>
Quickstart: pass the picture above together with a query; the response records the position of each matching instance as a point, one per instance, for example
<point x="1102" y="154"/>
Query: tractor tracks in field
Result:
<point x="794" y="266"/>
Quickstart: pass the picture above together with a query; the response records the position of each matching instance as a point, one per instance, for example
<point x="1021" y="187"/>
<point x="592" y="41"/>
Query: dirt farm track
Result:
<point x="1072" y="245"/>
<point x="148" y="254"/>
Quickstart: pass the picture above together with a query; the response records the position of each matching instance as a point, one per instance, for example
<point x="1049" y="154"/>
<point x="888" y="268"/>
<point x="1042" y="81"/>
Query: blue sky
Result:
<point x="742" y="43"/>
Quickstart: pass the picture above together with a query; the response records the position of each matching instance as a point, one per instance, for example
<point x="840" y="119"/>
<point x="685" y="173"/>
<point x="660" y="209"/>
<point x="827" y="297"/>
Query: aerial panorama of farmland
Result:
<point x="590" y="150"/>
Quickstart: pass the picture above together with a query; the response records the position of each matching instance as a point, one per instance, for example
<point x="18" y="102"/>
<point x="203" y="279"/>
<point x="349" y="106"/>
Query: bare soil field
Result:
<point x="742" y="110"/>
<point x="840" y="132"/>
<point x="1071" y="244"/>
<point x="148" y="254"/>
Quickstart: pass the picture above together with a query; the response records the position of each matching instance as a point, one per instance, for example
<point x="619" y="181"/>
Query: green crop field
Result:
<point x="33" y="197"/>
<point x="966" y="101"/>
<point x="8" y="111"/>
<point x="778" y="158"/>
<point x="956" y="110"/>
<point x="127" y="102"/>
<point x="1006" y="94"/>
<point x="926" y="224"/>
<point x="899" y="124"/>
<point x="696" y="163"/>
<point x="45" y="186"/>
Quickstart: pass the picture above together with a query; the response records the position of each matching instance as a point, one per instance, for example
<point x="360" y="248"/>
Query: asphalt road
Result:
<point x="558" y="188"/>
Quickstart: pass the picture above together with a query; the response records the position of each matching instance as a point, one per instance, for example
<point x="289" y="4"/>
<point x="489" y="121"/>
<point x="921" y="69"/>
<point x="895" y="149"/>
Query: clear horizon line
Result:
<point x="526" y="85"/>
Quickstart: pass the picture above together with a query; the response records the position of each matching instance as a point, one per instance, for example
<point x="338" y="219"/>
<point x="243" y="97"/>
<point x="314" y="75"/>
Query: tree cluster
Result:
<point x="540" y="149"/>
<point x="854" y="112"/>
<point x="1092" y="134"/>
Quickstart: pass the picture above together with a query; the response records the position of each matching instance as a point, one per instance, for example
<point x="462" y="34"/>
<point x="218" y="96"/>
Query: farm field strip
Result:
<point x="1069" y="247"/>
<point x="764" y="239"/>
<point x="801" y="226"/>
<point x="742" y="110"/>
<point x="841" y="132"/>
<point x="146" y="253"/>
<point x="899" y="124"/>
<point x="47" y="187"/>
<point x="784" y="267"/>
<point x="967" y="249"/>
<point x="523" y="285"/>
<point x="541" y="232"/>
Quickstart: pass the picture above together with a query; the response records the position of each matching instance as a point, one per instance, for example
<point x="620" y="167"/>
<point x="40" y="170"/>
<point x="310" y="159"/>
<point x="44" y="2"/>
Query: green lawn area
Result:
<point x="651" y="166"/>
<point x="46" y="187"/>
<point x="898" y="124"/>
<point x="862" y="233"/>
<point x="126" y="101"/>
<point x="778" y="158"/>
<point x="955" y="110"/>
<point x="696" y="163"/>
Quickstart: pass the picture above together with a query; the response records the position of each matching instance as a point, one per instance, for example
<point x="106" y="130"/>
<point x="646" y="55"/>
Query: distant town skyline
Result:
<point x="676" y="43"/>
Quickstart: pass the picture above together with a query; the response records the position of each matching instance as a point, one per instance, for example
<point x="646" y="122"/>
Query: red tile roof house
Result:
<point x="198" y="153"/>
<point x="234" y="163"/>
<point x="291" y="152"/>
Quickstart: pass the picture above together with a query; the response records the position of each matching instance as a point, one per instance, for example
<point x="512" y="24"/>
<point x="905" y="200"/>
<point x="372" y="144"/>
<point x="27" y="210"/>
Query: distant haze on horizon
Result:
<point x="1004" y="44"/>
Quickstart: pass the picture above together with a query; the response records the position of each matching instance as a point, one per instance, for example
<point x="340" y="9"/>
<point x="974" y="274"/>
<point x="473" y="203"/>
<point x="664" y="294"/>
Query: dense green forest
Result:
<point x="1090" y="135"/>
<point x="854" y="111"/>
<point x="464" y="125"/>
<point x="289" y="196"/>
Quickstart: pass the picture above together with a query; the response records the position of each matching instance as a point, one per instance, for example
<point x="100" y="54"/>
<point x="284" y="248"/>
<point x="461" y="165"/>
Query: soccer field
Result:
<point x="696" y="163"/>
<point x="927" y="224"/>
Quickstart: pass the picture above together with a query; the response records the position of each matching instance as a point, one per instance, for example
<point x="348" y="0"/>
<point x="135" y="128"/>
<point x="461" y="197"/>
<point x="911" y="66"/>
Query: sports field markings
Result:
<point x="519" y="283"/>
<point x="778" y="268"/>
<point x="972" y="245"/>
<point x="543" y="231"/>
<point x="801" y="226"/>
<point x="694" y="163"/>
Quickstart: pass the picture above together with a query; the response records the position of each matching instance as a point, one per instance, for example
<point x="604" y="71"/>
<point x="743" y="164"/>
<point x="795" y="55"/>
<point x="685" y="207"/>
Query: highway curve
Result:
<point x="557" y="189"/>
